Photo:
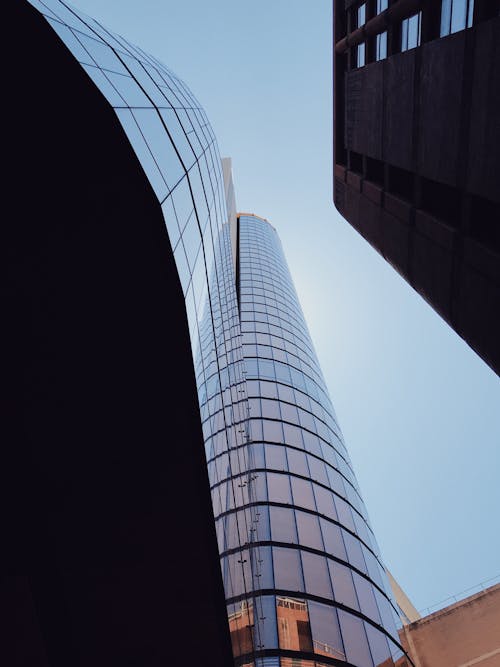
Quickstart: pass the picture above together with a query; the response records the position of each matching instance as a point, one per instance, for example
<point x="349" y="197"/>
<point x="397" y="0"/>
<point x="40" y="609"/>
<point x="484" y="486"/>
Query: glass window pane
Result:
<point x="240" y="617"/>
<point x="367" y="603"/>
<point x="293" y="435"/>
<point x="458" y="15"/>
<point x="256" y="455"/>
<point x="289" y="413"/>
<point x="273" y="431"/>
<point x="404" y="35"/>
<point x="355" y="641"/>
<point x="316" y="576"/>
<point x="309" y="530"/>
<point x="262" y="567"/>
<point x="171" y="221"/>
<point x="100" y="80"/>
<point x="265" y="630"/>
<point x="275" y="457"/>
<point x="354" y="551"/>
<point x="343" y="586"/>
<point x="386" y="613"/>
<point x="414" y="31"/>
<point x="324" y="502"/>
<point x="287" y="570"/>
<point x="332" y="537"/>
<point x="260" y="518"/>
<point x="470" y="15"/>
<point x="279" y="488"/>
<point x="102" y="54"/>
<point x="160" y="145"/>
<point x="294" y="631"/>
<point x="143" y="153"/>
<point x="318" y="470"/>
<point x="360" y="55"/>
<point x="68" y="37"/>
<point x="361" y="15"/>
<point x="178" y="137"/>
<point x="382" y="46"/>
<point x="445" y="17"/>
<point x="325" y="631"/>
<point x="297" y="462"/>
<point x="344" y="513"/>
<point x="283" y="525"/>
<point x="258" y="487"/>
<point x="270" y="409"/>
<point x="302" y="493"/>
<point x="379" y="647"/>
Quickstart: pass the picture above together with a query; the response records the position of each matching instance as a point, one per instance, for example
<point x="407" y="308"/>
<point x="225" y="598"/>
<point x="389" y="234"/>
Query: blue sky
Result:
<point x="419" y="410"/>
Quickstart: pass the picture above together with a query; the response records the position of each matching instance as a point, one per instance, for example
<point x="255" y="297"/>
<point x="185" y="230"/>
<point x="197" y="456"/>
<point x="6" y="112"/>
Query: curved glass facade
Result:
<point x="304" y="582"/>
<point x="301" y="570"/>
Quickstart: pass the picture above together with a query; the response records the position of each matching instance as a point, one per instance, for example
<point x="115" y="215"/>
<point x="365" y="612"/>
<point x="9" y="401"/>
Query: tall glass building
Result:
<point x="301" y="571"/>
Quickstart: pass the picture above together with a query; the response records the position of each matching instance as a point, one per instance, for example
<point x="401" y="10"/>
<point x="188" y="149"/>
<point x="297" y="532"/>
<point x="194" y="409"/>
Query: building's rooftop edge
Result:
<point x="452" y="607"/>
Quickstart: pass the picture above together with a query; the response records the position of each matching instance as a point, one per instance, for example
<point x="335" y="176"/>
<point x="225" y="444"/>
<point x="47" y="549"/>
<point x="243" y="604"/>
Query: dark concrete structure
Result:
<point x="417" y="149"/>
<point x="109" y="554"/>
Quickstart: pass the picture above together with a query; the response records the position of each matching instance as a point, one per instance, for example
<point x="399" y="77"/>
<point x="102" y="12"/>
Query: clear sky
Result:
<point x="419" y="410"/>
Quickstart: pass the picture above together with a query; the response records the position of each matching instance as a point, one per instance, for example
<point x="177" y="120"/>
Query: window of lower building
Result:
<point x="410" y="32"/>
<point x="361" y="15"/>
<point x="456" y="15"/>
<point x="381" y="5"/>
<point x="360" y="55"/>
<point x="381" y="46"/>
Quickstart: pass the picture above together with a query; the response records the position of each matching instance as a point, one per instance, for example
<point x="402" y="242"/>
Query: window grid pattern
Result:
<point x="311" y="557"/>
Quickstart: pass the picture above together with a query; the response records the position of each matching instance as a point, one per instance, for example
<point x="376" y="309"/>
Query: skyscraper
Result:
<point x="153" y="321"/>
<point x="417" y="145"/>
<point x="301" y="566"/>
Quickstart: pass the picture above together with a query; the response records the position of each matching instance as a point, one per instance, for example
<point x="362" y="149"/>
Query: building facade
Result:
<point x="302" y="573"/>
<point x="417" y="145"/>
<point x="464" y="633"/>
<point x="158" y="332"/>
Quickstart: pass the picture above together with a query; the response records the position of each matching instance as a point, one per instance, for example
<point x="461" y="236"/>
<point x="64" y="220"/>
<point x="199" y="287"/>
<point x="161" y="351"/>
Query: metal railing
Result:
<point x="478" y="588"/>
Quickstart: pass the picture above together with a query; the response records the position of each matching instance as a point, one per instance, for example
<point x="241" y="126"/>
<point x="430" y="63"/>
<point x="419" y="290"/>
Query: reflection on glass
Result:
<point x="294" y="631"/>
<point x="241" y="620"/>
<point x="325" y="630"/>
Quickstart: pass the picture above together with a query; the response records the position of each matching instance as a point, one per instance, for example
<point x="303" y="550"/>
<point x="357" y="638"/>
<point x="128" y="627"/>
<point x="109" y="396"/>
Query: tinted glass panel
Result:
<point x="287" y="569"/>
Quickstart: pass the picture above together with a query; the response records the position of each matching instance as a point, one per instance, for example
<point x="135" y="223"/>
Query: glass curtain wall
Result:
<point x="311" y="557"/>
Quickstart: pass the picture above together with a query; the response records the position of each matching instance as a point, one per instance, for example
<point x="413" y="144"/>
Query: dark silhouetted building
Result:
<point x="417" y="149"/>
<point x="109" y="552"/>
<point x="153" y="331"/>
